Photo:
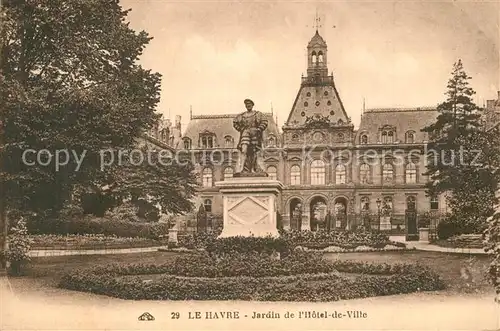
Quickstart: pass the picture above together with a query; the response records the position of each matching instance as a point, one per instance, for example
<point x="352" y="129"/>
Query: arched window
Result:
<point x="207" y="177"/>
<point x="228" y="141"/>
<point x="340" y="137"/>
<point x="320" y="57"/>
<point x="364" y="173"/>
<point x="340" y="174"/>
<point x="384" y="137"/>
<point x="388" y="172"/>
<point x="207" y="204"/>
<point x="271" y="141"/>
<point x="365" y="204"/>
<point x="272" y="172"/>
<point x="187" y="143"/>
<point x="314" y="58"/>
<point x="364" y="139"/>
<point x="390" y="137"/>
<point x="295" y="175"/>
<point x="228" y="172"/>
<point x="410" y="137"/>
<point x="317" y="172"/>
<point x="411" y="173"/>
<point x="207" y="141"/>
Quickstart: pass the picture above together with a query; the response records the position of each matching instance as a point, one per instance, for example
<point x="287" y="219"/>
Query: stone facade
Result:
<point x="492" y="113"/>
<point x="327" y="167"/>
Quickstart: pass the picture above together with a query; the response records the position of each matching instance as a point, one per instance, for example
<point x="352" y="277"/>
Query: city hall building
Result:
<point x="327" y="166"/>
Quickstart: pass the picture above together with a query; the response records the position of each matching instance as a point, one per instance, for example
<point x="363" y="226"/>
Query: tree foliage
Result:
<point x="458" y="151"/>
<point x="70" y="80"/>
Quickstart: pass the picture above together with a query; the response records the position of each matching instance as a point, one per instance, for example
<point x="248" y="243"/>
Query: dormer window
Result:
<point x="271" y="141"/>
<point x="364" y="139"/>
<point x="410" y="137"/>
<point x="187" y="143"/>
<point x="387" y="136"/>
<point x="207" y="140"/>
<point x="390" y="137"/>
<point x="228" y="141"/>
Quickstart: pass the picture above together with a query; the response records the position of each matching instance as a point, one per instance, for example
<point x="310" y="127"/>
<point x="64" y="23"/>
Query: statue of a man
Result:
<point x="251" y="125"/>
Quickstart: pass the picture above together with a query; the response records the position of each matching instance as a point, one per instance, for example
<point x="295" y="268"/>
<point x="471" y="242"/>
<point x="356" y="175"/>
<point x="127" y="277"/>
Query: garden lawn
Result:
<point x="462" y="273"/>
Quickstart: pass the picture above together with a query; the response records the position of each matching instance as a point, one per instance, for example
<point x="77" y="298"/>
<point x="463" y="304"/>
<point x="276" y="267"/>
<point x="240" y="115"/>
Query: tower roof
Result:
<point x="317" y="40"/>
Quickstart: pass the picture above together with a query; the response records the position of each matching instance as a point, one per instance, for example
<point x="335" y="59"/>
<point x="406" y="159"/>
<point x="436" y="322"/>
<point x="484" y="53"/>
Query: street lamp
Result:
<point x="378" y="207"/>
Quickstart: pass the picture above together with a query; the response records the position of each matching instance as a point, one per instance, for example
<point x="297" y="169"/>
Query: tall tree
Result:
<point x="456" y="152"/>
<point x="70" y="81"/>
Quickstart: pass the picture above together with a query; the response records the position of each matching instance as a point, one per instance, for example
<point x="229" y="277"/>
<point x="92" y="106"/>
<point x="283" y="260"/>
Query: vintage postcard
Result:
<point x="249" y="165"/>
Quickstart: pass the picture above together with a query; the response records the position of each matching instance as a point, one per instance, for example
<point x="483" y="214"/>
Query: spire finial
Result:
<point x="317" y="21"/>
<point x="364" y="105"/>
<point x="190" y="112"/>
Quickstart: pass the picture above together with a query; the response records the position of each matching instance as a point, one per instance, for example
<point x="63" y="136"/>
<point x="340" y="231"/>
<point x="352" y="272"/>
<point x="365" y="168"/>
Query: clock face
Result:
<point x="318" y="136"/>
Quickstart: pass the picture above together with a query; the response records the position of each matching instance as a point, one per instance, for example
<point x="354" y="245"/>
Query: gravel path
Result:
<point x="43" y="308"/>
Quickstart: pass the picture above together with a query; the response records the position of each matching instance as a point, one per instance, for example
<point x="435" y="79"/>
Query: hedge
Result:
<point x="181" y="282"/>
<point x="90" y="241"/>
<point x="94" y="225"/>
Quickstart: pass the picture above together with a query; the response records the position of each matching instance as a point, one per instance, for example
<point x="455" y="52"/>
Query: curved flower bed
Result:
<point x="298" y="277"/>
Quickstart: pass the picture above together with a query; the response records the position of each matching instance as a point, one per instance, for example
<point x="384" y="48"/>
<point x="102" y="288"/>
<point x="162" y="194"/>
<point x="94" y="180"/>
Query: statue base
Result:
<point x="250" y="206"/>
<point x="250" y="174"/>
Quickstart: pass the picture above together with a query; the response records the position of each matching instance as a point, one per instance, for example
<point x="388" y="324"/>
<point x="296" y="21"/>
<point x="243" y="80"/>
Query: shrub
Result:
<point x="303" y="277"/>
<point x="346" y="239"/>
<point x="18" y="248"/>
<point x="453" y="225"/>
<point x="446" y="229"/>
<point x="240" y="244"/>
<point x="90" y="224"/>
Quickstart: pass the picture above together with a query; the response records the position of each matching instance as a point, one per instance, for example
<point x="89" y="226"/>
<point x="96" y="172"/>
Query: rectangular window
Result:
<point x="434" y="203"/>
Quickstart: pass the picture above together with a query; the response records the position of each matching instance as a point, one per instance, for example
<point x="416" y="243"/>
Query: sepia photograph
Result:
<point x="249" y="165"/>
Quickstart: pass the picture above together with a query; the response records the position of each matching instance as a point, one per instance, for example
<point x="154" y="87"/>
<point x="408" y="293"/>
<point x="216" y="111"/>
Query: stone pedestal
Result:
<point x="172" y="235"/>
<point x="385" y="223"/>
<point x="250" y="206"/>
<point x="423" y="234"/>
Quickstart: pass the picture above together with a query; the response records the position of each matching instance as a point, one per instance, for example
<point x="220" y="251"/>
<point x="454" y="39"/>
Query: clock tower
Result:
<point x="318" y="106"/>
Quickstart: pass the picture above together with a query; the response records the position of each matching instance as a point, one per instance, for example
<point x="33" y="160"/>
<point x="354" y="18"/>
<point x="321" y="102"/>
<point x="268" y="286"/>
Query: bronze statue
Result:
<point x="251" y="125"/>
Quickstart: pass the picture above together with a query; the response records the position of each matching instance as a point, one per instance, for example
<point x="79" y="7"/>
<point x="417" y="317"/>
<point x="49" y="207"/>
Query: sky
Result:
<point x="214" y="54"/>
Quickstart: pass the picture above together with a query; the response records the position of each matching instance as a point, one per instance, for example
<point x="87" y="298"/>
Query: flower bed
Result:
<point x="464" y="241"/>
<point x="90" y="241"/>
<point x="298" y="277"/>
<point x="340" y="241"/>
<point x="334" y="248"/>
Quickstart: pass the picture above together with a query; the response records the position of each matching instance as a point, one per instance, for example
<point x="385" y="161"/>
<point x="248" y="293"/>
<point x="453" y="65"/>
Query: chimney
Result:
<point x="498" y="93"/>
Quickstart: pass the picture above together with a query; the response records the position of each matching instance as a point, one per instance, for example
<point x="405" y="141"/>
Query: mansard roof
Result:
<point x="222" y="126"/>
<point x="401" y="119"/>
